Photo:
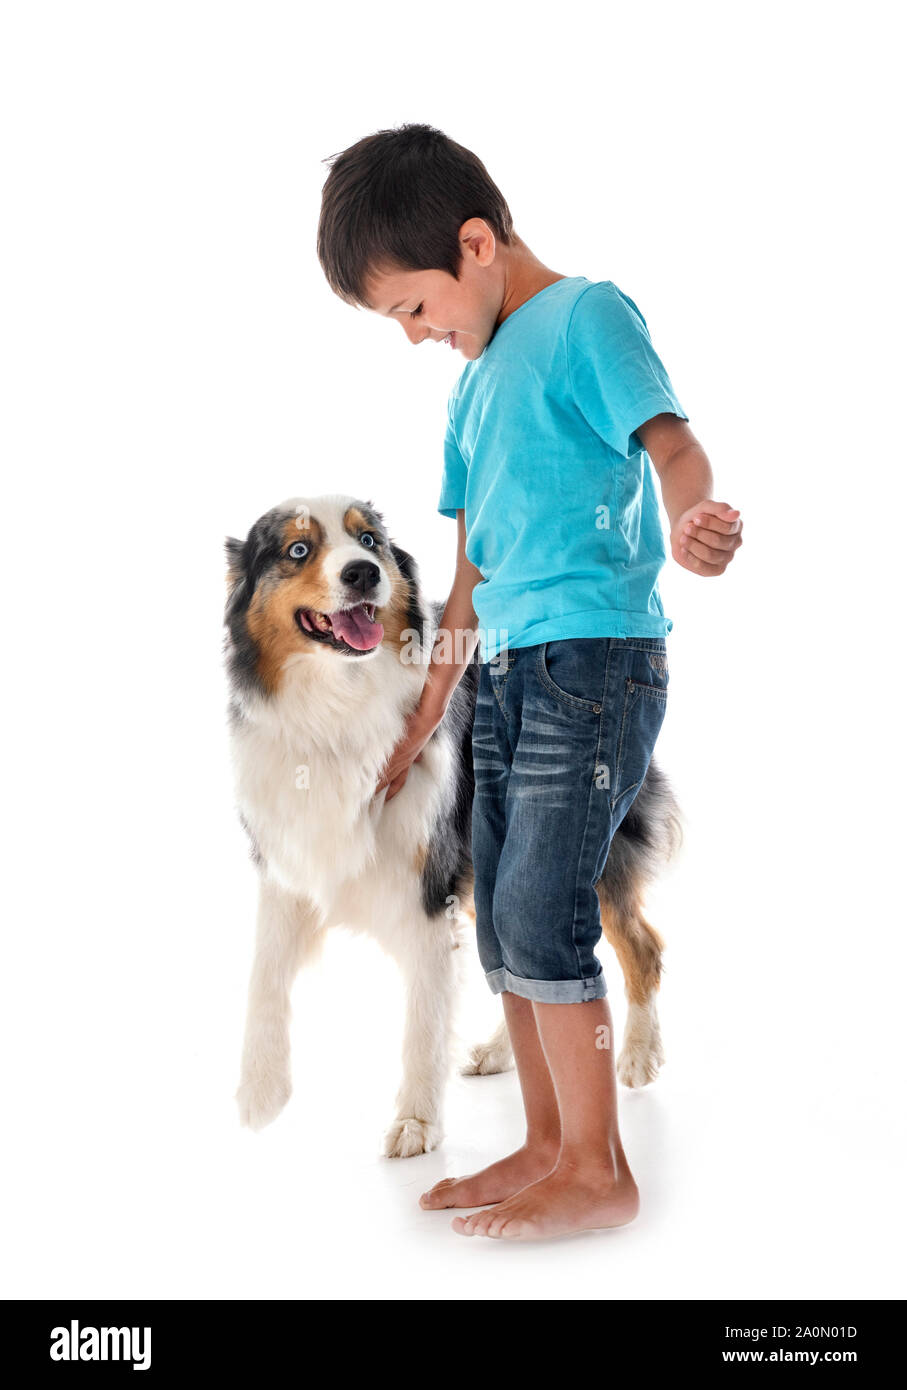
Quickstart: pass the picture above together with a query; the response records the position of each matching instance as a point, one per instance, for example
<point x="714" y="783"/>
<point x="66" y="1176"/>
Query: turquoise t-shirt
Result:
<point x="562" y="516"/>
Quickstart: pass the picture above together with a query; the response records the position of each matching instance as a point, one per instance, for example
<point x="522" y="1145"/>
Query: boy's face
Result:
<point x="432" y="304"/>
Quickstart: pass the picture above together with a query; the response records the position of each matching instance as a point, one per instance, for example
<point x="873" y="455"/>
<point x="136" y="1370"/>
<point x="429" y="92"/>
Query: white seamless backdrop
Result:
<point x="173" y="364"/>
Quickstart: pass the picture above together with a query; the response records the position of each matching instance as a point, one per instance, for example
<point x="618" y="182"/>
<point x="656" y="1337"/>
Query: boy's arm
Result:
<point x="452" y="653"/>
<point x="457" y="636"/>
<point x="704" y="533"/>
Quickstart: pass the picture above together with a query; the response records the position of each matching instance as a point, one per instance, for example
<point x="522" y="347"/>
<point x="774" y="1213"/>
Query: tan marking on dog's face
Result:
<point x="286" y="586"/>
<point x="355" y="521"/>
<point x="419" y="858"/>
<point x="303" y="528"/>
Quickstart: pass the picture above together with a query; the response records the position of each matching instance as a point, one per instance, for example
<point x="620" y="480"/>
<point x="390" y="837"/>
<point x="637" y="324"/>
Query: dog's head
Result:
<point x="316" y="576"/>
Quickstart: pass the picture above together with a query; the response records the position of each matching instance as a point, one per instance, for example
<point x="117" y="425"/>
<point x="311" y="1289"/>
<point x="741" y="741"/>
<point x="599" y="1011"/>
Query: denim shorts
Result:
<point x="561" y="742"/>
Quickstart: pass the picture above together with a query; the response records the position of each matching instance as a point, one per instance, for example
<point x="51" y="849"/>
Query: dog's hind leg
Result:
<point x="638" y="948"/>
<point x="488" y="1058"/>
<point x="286" y="937"/>
<point x="426" y="956"/>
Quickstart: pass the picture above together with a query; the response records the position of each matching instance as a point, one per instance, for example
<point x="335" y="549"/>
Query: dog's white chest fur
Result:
<point x="306" y="767"/>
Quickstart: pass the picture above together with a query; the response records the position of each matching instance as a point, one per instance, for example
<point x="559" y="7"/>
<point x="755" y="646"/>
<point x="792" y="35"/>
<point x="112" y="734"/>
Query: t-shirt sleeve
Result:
<point x="617" y="378"/>
<point x="453" y="480"/>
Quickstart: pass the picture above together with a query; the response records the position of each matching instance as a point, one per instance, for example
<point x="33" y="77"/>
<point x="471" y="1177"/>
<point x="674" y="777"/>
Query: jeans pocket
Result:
<point x="648" y="660"/>
<point x="645" y="705"/>
<point x="573" y="670"/>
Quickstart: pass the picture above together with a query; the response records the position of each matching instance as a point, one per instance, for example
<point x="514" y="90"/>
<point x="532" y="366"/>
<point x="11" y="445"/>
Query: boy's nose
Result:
<point x="416" y="333"/>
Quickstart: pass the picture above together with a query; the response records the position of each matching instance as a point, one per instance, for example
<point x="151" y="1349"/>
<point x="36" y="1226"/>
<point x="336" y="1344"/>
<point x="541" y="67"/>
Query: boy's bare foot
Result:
<point x="567" y="1200"/>
<point x="494" y="1183"/>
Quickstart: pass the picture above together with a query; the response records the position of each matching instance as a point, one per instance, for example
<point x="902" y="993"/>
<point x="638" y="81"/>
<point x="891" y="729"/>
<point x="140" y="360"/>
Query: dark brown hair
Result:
<point x="396" y="200"/>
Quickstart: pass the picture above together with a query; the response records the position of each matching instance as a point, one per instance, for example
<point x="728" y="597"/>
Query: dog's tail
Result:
<point x="664" y="812"/>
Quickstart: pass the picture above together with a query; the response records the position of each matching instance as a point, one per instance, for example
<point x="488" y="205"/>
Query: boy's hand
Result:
<point x="419" y="729"/>
<point x="704" y="538"/>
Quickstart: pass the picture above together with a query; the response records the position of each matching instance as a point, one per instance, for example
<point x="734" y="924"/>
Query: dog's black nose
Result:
<point x="361" y="575"/>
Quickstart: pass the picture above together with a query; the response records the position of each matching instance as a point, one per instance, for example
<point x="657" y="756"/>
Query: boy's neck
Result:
<point x="524" y="276"/>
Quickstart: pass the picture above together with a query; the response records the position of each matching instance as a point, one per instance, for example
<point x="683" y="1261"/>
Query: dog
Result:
<point x="327" y="645"/>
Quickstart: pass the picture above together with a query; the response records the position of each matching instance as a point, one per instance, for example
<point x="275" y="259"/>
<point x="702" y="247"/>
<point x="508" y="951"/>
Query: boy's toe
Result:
<point x="482" y="1220"/>
<point x="436" y="1197"/>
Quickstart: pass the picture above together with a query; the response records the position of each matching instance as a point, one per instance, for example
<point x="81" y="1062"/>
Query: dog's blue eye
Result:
<point x="298" y="550"/>
<point x="368" y="539"/>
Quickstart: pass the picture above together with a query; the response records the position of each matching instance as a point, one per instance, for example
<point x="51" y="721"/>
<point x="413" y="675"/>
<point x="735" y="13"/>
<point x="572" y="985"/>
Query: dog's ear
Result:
<point x="405" y="564"/>
<point x="415" y="617"/>
<point x="372" y="511"/>
<point x="234" y="549"/>
<point x="236" y="575"/>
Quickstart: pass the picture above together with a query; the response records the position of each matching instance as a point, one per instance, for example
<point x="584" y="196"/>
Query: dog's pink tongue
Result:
<point x="356" y="628"/>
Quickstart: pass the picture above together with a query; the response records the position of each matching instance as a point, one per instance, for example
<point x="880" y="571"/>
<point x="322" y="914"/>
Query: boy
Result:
<point x="559" y="549"/>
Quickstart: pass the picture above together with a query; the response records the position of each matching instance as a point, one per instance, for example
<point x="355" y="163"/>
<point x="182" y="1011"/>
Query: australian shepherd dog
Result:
<point x="328" y="639"/>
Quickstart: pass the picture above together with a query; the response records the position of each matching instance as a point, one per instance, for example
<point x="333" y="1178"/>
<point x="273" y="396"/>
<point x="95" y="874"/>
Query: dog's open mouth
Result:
<point x="353" y="628"/>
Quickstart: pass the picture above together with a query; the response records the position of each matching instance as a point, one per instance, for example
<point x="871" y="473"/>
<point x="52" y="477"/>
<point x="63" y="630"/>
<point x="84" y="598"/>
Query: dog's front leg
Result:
<point x="286" y="935"/>
<point x="426" y="957"/>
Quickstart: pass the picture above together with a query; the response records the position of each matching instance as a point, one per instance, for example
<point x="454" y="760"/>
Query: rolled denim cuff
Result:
<point x="547" y="991"/>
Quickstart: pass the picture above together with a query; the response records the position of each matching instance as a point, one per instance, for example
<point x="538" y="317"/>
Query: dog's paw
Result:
<point x="487" y="1059"/>
<point x="408" y="1137"/>
<point x="261" y="1099"/>
<point x="639" y="1061"/>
